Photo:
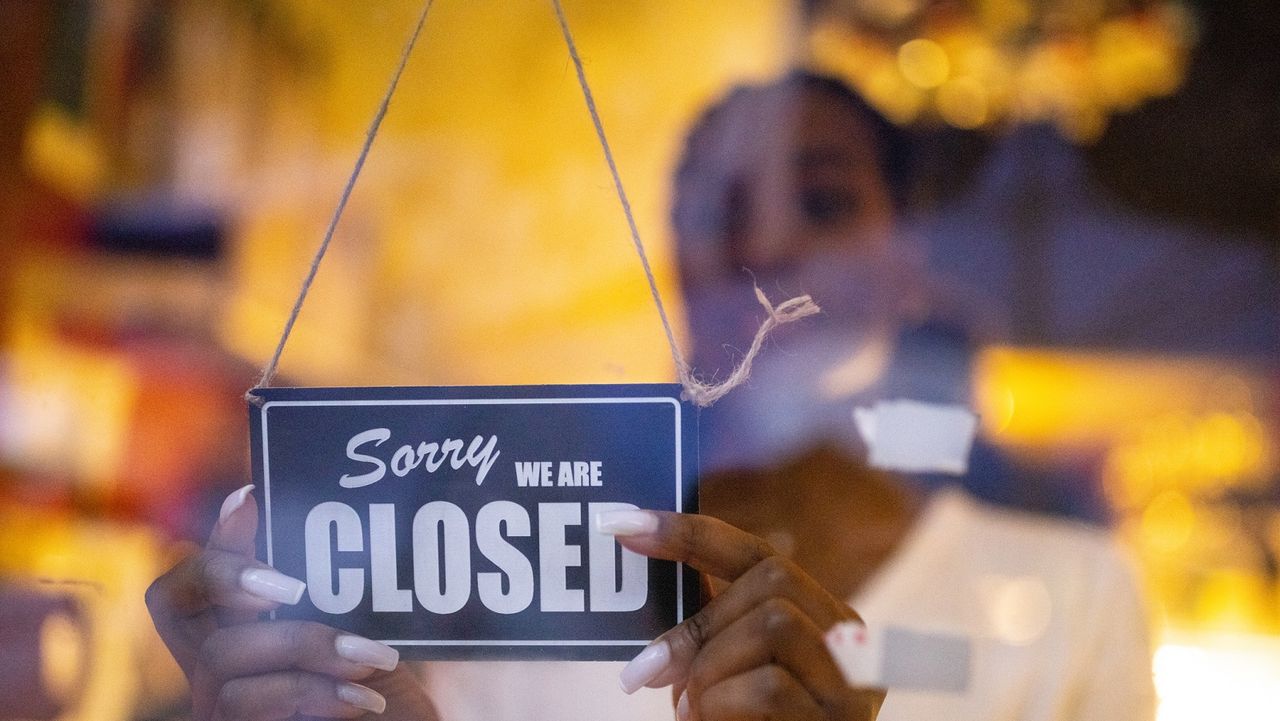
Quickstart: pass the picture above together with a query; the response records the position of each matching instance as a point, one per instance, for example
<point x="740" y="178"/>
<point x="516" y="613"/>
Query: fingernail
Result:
<point x="272" y="585"/>
<point x="233" y="502"/>
<point x="682" y="706"/>
<point x="366" y="652"/>
<point x="361" y="697"/>
<point x="645" y="666"/>
<point x="626" y="523"/>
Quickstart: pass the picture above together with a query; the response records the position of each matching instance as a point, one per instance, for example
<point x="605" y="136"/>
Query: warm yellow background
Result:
<point x="484" y="242"/>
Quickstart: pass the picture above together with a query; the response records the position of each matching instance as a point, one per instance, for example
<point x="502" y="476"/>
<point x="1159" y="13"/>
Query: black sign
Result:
<point x="457" y="522"/>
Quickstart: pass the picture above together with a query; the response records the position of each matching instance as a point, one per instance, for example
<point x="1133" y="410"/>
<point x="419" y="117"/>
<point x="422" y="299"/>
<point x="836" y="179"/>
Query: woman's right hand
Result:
<point x="207" y="609"/>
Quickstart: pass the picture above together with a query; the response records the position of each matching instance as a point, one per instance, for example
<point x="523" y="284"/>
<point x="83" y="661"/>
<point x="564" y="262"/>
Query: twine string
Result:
<point x="269" y="372"/>
<point x="699" y="392"/>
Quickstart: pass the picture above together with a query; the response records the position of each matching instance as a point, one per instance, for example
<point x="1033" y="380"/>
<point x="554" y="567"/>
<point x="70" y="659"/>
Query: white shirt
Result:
<point x="1057" y="626"/>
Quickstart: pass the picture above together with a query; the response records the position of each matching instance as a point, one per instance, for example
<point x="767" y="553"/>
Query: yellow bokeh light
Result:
<point x="962" y="103"/>
<point x="1128" y="477"/>
<point x="1221" y="446"/>
<point x="898" y="100"/>
<point x="1232" y="599"/>
<point x="1168" y="522"/>
<point x="65" y="154"/>
<point x="923" y="63"/>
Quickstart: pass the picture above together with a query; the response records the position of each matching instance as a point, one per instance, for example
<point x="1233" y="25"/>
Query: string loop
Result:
<point x="699" y="393"/>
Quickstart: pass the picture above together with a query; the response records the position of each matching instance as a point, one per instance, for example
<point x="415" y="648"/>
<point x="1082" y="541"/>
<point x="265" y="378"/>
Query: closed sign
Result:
<point x="456" y="522"/>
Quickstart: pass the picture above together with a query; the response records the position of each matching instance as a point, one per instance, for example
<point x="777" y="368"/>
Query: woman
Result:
<point x="789" y="186"/>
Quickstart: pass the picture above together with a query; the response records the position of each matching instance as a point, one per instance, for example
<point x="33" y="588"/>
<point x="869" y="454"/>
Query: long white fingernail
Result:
<point x="361" y="697"/>
<point x="682" y="706"/>
<point x="366" y="652"/>
<point x="272" y="585"/>
<point x="645" y="666"/>
<point x="233" y="502"/>
<point x="626" y="523"/>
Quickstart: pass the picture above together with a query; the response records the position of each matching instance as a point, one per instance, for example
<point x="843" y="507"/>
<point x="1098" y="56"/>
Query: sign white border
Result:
<point x="679" y="439"/>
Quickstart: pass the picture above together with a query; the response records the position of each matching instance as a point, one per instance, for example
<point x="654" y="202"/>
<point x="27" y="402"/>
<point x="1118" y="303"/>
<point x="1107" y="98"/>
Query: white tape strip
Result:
<point x="915" y="437"/>
<point x="898" y="658"/>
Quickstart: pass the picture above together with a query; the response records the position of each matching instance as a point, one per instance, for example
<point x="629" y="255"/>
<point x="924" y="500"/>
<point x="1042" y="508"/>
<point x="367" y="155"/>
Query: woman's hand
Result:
<point x="207" y="610"/>
<point x="756" y="650"/>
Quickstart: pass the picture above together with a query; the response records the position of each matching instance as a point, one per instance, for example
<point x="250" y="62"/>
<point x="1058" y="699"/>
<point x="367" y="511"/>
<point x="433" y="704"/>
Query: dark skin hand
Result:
<point x="756" y="650"/>
<point x="243" y="668"/>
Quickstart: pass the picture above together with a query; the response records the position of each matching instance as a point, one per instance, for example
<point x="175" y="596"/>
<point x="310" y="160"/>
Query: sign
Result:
<point x="457" y="522"/>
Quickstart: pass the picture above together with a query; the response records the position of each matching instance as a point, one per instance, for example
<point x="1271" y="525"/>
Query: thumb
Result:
<point x="237" y="526"/>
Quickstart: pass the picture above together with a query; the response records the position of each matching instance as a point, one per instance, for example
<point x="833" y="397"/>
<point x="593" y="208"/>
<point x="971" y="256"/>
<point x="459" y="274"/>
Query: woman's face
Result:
<point x="812" y="184"/>
<point x="806" y="210"/>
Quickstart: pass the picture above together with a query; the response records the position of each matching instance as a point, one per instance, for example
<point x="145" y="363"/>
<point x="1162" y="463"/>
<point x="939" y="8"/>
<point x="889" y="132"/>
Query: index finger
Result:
<point x="182" y="602"/>
<point x="218" y="579"/>
<point x="707" y="544"/>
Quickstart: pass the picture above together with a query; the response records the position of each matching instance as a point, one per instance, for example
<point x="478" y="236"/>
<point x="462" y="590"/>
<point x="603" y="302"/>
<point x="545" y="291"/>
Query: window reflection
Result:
<point x="1075" y="237"/>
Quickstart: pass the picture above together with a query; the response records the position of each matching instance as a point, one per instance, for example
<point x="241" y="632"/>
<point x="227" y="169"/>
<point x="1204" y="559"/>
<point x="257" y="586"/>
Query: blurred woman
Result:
<point x="796" y="186"/>
<point x="792" y="186"/>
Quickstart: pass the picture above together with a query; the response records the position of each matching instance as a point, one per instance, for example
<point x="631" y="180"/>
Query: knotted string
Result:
<point x="698" y="392"/>
<point x="702" y="394"/>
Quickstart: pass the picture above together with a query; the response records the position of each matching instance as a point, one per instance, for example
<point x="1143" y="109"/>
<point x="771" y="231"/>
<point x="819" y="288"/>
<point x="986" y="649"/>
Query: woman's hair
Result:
<point x="709" y="195"/>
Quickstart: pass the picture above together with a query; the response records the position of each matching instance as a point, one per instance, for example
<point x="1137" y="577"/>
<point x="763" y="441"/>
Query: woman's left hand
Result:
<point x="756" y="650"/>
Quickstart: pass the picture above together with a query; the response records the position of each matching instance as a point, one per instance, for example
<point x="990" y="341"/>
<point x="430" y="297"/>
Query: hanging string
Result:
<point x="269" y="371"/>
<point x="700" y="393"/>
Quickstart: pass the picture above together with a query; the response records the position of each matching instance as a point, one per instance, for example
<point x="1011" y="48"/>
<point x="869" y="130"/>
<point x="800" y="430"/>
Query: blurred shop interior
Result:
<point x="1103" y="174"/>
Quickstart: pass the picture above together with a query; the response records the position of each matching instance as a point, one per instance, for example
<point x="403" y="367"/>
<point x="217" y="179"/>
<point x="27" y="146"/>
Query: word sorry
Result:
<point x="430" y="456"/>
<point x="442" y="562"/>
